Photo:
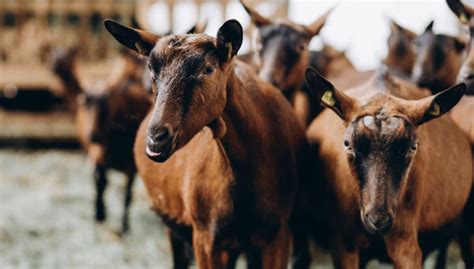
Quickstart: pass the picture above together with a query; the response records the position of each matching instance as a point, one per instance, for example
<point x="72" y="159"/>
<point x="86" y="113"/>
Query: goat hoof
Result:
<point x="125" y="230"/>
<point x="100" y="216"/>
<point x="120" y="234"/>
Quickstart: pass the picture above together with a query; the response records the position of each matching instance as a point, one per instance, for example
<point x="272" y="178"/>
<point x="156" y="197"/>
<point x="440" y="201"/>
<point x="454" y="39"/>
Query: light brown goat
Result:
<point x="230" y="187"/>
<point x="391" y="172"/>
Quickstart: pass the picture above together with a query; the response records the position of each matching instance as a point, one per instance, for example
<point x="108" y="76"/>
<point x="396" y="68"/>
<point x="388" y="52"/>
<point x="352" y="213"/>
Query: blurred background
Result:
<point x="46" y="189"/>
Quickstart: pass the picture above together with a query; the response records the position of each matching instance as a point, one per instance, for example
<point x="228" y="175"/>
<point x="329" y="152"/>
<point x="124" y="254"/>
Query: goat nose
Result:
<point x="379" y="220"/>
<point x="161" y="134"/>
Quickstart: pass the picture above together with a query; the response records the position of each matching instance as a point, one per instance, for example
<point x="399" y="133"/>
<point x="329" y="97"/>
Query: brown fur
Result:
<point x="432" y="193"/>
<point x="107" y="120"/>
<point x="283" y="54"/>
<point x="461" y="115"/>
<point x="438" y="61"/>
<point x="231" y="187"/>
<point x="351" y="78"/>
<point x="330" y="62"/>
<point x="465" y="108"/>
<point x="466" y="16"/>
<point x="401" y="55"/>
<point x="334" y="64"/>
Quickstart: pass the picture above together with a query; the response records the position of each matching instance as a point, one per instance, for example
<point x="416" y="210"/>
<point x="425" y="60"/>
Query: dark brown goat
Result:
<point x="283" y="54"/>
<point x="401" y="55"/>
<point x="230" y="187"/>
<point x="107" y="120"/>
<point x="438" y="59"/>
<point x="391" y="173"/>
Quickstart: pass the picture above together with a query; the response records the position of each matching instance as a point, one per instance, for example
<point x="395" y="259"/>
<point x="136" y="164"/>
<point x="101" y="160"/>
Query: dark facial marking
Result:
<point x="379" y="149"/>
<point x="438" y="57"/>
<point x="381" y="141"/>
<point x="181" y="64"/>
<point x="286" y="46"/>
<point x="290" y="41"/>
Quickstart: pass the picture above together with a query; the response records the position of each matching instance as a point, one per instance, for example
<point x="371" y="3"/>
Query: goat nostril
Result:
<point x="162" y="134"/>
<point x="379" y="221"/>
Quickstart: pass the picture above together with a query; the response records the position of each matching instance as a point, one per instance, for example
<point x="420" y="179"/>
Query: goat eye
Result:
<point x="301" y="47"/>
<point x="347" y="145"/>
<point x="209" y="70"/>
<point x="414" y="146"/>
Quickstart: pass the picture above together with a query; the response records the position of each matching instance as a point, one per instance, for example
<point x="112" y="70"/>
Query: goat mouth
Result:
<point x="159" y="155"/>
<point x="152" y="154"/>
<point x="377" y="230"/>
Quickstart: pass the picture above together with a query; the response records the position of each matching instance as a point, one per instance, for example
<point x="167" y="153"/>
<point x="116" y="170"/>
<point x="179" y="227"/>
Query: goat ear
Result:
<point x="135" y="39"/>
<point x="199" y="27"/>
<point x="394" y="27"/>
<point x="431" y="107"/>
<point x="459" y="44"/>
<point x="397" y="28"/>
<point x="256" y="18"/>
<point x="334" y="99"/>
<point x="229" y="39"/>
<point x="315" y="27"/>
<point x="463" y="12"/>
<point x="429" y="27"/>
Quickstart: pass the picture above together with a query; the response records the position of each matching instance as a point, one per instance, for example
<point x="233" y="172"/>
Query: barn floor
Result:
<point x="46" y="214"/>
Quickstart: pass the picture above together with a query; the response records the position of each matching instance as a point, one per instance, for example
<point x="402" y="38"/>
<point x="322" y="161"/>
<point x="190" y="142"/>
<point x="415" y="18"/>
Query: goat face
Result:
<point x="283" y="49"/>
<point x="380" y="147"/>
<point x="381" y="142"/>
<point x="189" y="75"/>
<point x="439" y="59"/>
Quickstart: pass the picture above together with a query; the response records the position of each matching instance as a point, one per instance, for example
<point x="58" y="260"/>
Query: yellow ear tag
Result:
<point x="328" y="99"/>
<point x="228" y="46"/>
<point x="140" y="47"/>
<point x="463" y="18"/>
<point x="435" y="111"/>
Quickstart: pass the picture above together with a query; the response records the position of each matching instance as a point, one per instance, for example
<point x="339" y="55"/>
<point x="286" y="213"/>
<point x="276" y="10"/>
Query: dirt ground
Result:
<point x="46" y="214"/>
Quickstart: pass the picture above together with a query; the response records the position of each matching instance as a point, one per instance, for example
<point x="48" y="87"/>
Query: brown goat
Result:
<point x="392" y="174"/>
<point x="330" y="62"/>
<point x="451" y="66"/>
<point x="283" y="54"/>
<point x="107" y="121"/>
<point x="438" y="59"/>
<point x="462" y="115"/>
<point x="230" y="187"/>
<point x="401" y="55"/>
<point x="440" y="63"/>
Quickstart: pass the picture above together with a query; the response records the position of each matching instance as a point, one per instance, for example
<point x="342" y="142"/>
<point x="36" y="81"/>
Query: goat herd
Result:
<point x="379" y="174"/>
